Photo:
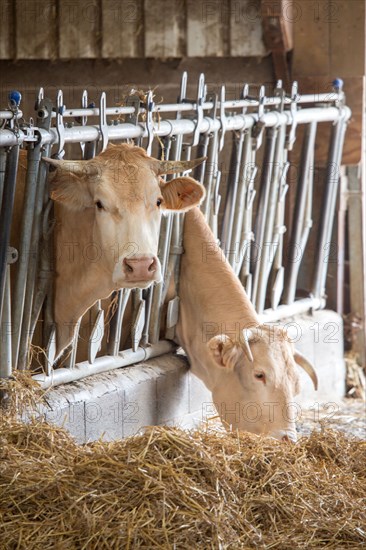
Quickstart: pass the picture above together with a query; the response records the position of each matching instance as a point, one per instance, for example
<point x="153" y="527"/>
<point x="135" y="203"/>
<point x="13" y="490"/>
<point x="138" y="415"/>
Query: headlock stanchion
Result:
<point x="258" y="129"/>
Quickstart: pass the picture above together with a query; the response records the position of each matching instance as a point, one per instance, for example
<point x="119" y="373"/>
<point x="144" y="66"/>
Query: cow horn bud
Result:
<point x="77" y="167"/>
<point x="247" y="335"/>
<point x="175" y="166"/>
<point x="307" y="366"/>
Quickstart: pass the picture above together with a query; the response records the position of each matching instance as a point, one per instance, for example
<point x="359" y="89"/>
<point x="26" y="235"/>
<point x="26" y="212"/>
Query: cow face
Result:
<point x="121" y="197"/>
<point x="256" y="381"/>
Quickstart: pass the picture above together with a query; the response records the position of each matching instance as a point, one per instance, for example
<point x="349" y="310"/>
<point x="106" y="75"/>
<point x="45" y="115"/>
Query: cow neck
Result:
<point x="211" y="285"/>
<point x="76" y="276"/>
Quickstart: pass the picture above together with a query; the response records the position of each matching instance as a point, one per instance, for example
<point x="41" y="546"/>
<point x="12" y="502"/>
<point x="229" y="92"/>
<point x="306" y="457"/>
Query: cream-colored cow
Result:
<point x="249" y="368"/>
<point x="108" y="213"/>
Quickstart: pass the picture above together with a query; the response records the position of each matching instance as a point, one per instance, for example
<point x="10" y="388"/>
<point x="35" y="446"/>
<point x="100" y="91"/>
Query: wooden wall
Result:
<point x="330" y="42"/>
<point x="100" y="29"/>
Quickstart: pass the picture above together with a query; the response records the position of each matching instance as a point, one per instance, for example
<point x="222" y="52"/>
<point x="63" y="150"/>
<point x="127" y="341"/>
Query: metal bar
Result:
<point x="231" y="195"/>
<point x="270" y="241"/>
<point x="192" y="106"/>
<point x="77" y="134"/>
<point x="7" y="204"/>
<point x="2" y="173"/>
<point x="29" y="324"/>
<point x="286" y="311"/>
<point x="115" y="325"/>
<point x="238" y="214"/>
<point x="103" y="364"/>
<point x="329" y="203"/>
<point x="10" y="115"/>
<point x="265" y="188"/>
<point x="5" y="332"/>
<point x="297" y="234"/>
<point x="25" y="245"/>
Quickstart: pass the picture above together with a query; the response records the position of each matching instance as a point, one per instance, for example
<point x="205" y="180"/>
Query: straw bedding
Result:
<point x="168" y="488"/>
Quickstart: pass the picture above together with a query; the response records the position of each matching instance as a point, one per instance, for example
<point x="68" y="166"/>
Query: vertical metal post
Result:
<point x="265" y="186"/>
<point x="5" y="332"/>
<point x="269" y="243"/>
<point x="6" y="213"/>
<point x="231" y="196"/>
<point x="301" y="227"/>
<point x="328" y="210"/>
<point x="2" y="171"/>
<point x="33" y="262"/>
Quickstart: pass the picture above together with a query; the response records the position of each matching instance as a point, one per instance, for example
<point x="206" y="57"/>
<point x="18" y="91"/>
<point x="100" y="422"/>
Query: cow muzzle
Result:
<point x="141" y="268"/>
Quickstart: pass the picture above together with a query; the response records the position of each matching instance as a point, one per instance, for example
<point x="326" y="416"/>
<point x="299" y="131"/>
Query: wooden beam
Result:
<point x="277" y="35"/>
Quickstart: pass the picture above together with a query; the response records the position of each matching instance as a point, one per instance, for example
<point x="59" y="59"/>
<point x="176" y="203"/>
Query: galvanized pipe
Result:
<point x="191" y="106"/>
<point x="104" y="364"/>
<point x="25" y="244"/>
<point x="6" y="213"/>
<point x="231" y="195"/>
<point x="297" y="234"/>
<point x="329" y="202"/>
<point x="33" y="263"/>
<point x="2" y="172"/>
<point x="5" y="331"/>
<point x="10" y="115"/>
<point x="262" y="213"/>
<point x="79" y="134"/>
<point x="267" y="252"/>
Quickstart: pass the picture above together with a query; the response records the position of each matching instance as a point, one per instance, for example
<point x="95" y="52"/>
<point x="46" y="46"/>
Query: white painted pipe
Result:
<point x="104" y="364"/>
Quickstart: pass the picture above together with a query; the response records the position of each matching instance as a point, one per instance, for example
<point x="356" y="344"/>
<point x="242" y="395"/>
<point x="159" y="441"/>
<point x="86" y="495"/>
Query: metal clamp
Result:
<point x="60" y="127"/>
<point x="133" y="101"/>
<point x="291" y="136"/>
<point x="103" y="127"/>
<point x="201" y="91"/>
<point x="258" y="128"/>
<point x="149" y="121"/>
<point x="223" y="118"/>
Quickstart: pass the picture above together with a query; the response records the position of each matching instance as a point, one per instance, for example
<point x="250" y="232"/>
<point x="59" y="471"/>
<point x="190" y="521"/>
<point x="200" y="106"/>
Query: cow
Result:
<point x="250" y="368"/>
<point x="108" y="211"/>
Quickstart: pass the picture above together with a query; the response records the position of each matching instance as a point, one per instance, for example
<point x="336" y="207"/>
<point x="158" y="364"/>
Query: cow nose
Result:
<point x="140" y="268"/>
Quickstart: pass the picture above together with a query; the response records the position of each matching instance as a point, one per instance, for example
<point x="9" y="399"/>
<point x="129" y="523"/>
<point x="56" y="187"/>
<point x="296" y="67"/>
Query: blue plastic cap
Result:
<point x="15" y="98"/>
<point x="338" y="83"/>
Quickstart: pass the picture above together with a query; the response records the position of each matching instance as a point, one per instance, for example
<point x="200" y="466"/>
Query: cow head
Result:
<point x="121" y="196"/>
<point x="256" y="381"/>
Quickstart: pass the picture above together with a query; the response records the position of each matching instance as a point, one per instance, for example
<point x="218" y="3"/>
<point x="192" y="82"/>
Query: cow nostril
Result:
<point x="128" y="267"/>
<point x="152" y="266"/>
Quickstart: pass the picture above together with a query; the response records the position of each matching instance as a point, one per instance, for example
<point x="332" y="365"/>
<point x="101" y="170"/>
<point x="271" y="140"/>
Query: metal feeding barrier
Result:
<point x="262" y="131"/>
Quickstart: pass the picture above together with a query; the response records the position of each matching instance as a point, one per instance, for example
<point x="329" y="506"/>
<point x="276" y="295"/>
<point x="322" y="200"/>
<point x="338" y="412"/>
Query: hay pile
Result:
<point x="171" y="489"/>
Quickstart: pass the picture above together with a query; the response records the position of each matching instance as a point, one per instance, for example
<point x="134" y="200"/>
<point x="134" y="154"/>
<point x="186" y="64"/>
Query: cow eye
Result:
<point x="158" y="202"/>
<point x="99" y="205"/>
<point x="260" y="376"/>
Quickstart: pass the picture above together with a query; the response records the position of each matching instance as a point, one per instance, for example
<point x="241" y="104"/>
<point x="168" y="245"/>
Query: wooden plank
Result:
<point x="36" y="29"/>
<point x="6" y="26"/>
<point x="246" y="36"/>
<point x="311" y="38"/>
<point x="347" y="37"/>
<point x="79" y="29"/>
<point x="165" y="34"/>
<point x="122" y="28"/>
<point x="207" y="28"/>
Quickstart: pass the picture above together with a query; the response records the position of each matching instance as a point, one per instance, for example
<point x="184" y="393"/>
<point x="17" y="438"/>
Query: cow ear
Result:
<point x="224" y="351"/>
<point x="182" y="193"/>
<point x="71" y="190"/>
